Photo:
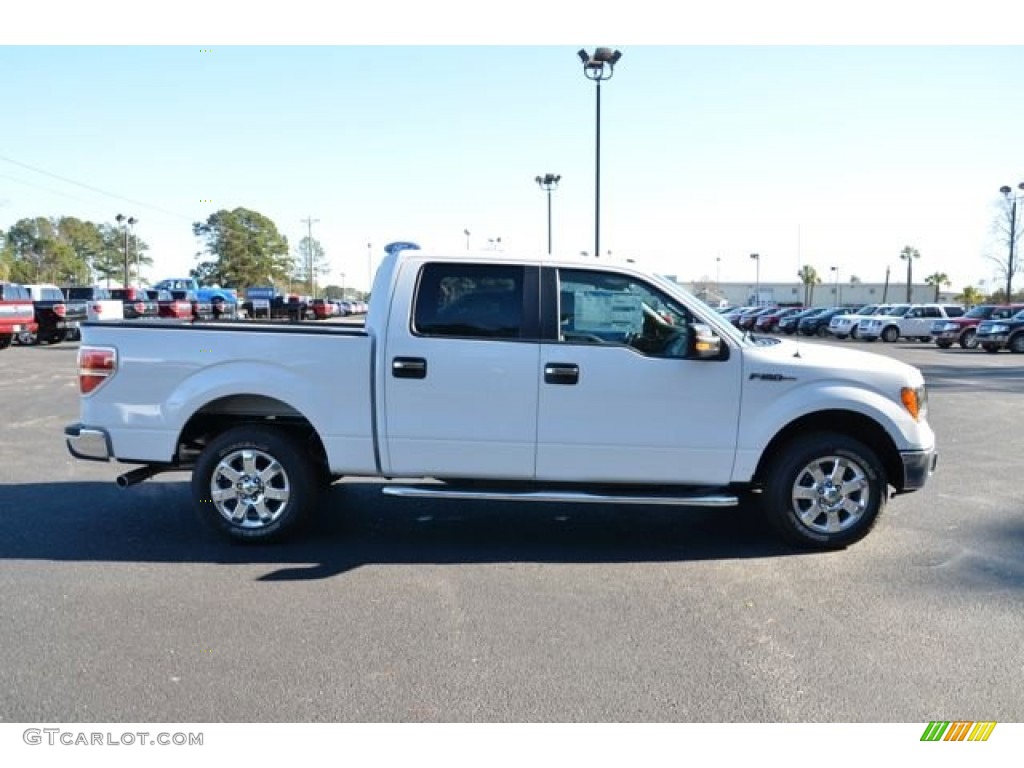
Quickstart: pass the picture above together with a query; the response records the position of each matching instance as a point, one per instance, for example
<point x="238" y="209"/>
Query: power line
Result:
<point x="95" y="189"/>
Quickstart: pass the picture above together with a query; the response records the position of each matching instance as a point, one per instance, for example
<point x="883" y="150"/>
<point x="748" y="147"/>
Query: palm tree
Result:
<point x="970" y="295"/>
<point x="809" y="277"/>
<point x="938" y="280"/>
<point x="908" y="254"/>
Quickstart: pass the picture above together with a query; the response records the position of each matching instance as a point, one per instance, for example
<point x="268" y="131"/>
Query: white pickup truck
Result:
<point x="514" y="379"/>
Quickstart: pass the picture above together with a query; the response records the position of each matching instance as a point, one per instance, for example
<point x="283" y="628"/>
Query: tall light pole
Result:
<point x="598" y="67"/>
<point x="885" y="291"/>
<point x="757" y="279"/>
<point x="310" y="221"/>
<point x="835" y="287"/>
<point x="1010" y="267"/>
<point x="120" y="218"/>
<point x="132" y="221"/>
<point x="369" y="267"/>
<point x="718" y="274"/>
<point x="549" y="183"/>
<point x="466" y="233"/>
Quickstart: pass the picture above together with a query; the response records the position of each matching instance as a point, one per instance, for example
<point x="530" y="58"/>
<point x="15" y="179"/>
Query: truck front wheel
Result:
<point x="254" y="484"/>
<point x="824" y="490"/>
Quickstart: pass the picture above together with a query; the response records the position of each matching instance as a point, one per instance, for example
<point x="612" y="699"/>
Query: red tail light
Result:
<point x="97" y="308"/>
<point x="59" y="310"/>
<point x="182" y="308"/>
<point x="95" y="366"/>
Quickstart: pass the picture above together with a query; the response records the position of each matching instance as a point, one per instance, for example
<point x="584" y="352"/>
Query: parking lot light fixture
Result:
<point x="549" y="183"/>
<point x="1011" y="200"/>
<point x="757" y="278"/>
<point x="598" y="66"/>
<point x="835" y="288"/>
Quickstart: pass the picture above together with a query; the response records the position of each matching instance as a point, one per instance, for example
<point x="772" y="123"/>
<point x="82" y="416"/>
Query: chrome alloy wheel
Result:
<point x="831" y="494"/>
<point x="250" y="488"/>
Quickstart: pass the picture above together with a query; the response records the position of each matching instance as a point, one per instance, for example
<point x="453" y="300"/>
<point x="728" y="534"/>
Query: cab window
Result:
<point x="479" y="301"/>
<point x="606" y="308"/>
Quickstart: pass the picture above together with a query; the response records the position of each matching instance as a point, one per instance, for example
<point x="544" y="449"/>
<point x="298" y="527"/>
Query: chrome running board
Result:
<point x="569" y="497"/>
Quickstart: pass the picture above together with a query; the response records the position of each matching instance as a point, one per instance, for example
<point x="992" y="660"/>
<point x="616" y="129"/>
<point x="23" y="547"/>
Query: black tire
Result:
<point x="822" y="330"/>
<point x="992" y="348"/>
<point x="840" y="336"/>
<point x="890" y="334"/>
<point x="943" y="344"/>
<point x="27" y="338"/>
<point x="281" y="484"/>
<point x="803" y="510"/>
<point x="853" y="332"/>
<point x="5" y="341"/>
<point x="969" y="339"/>
<point x="1016" y="344"/>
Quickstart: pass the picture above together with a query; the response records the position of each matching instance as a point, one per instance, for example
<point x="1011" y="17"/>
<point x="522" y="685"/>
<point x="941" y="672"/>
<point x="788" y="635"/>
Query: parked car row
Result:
<point x="991" y="327"/>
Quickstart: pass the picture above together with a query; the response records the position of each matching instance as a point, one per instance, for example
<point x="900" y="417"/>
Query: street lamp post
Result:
<point x="120" y="219"/>
<point x="132" y="221"/>
<point x="466" y="233"/>
<point x="835" y="287"/>
<point x="548" y="182"/>
<point x="885" y="291"/>
<point x="757" y="279"/>
<point x="1012" y="200"/>
<point x="718" y="274"/>
<point x="598" y="67"/>
<point x="369" y="266"/>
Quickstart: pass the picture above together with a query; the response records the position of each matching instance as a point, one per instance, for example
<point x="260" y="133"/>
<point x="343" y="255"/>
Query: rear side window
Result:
<point x="14" y="292"/>
<point x="469" y="301"/>
<point x="954" y="311"/>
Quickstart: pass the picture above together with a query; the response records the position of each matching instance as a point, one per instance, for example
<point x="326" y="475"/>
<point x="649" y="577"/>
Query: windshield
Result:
<point x="898" y="310"/>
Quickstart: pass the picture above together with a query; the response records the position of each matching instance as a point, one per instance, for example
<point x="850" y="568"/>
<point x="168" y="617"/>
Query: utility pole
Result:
<point x="310" y="221"/>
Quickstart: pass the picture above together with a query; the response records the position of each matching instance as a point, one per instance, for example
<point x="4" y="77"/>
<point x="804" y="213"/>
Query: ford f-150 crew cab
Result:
<point x="513" y="379"/>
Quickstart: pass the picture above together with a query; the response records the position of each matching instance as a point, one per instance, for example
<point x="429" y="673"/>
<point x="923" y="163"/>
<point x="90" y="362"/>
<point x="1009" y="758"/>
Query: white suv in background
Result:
<point x="842" y="326"/>
<point x="907" y="321"/>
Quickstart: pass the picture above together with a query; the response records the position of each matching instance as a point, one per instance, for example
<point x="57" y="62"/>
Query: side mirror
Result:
<point x="704" y="344"/>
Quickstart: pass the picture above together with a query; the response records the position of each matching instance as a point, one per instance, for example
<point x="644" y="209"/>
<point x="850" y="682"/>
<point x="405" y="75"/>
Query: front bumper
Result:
<point x="993" y="338"/>
<point x="918" y="466"/>
<point x="90" y="443"/>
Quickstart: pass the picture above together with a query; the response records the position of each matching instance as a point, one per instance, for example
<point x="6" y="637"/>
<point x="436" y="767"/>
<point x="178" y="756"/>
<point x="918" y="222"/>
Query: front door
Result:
<point x="618" y="403"/>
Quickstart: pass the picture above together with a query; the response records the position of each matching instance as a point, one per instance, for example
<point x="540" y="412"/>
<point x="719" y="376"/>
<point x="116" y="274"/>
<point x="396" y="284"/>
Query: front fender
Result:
<point x="762" y="418"/>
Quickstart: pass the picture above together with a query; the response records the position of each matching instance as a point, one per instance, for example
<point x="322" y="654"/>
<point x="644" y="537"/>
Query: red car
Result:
<point x="769" y="321"/>
<point x="963" y="330"/>
<point x="179" y="309"/>
<point x="17" y="313"/>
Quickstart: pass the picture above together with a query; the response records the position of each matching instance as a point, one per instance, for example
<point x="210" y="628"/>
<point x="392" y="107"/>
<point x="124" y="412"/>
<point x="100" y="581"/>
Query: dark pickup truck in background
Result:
<point x="137" y="304"/>
<point x="58" y="319"/>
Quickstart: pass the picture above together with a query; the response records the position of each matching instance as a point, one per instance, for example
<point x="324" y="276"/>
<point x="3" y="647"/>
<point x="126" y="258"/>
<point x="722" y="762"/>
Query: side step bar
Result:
<point x="574" y="497"/>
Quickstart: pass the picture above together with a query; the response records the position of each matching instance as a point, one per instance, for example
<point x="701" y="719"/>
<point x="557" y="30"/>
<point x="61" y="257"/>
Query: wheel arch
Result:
<point x="849" y="423"/>
<point x="219" y="415"/>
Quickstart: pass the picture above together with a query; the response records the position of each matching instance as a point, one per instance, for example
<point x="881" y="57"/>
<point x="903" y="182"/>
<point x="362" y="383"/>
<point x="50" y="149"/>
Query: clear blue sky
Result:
<point x="830" y="156"/>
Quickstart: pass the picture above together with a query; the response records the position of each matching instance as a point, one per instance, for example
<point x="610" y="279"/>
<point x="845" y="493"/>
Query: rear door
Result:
<point x="458" y="375"/>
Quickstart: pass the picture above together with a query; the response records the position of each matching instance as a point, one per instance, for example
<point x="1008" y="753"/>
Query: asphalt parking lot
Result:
<point x="117" y="606"/>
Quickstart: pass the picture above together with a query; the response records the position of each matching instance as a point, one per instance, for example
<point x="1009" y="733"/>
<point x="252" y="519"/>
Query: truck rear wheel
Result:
<point x="890" y="334"/>
<point x="824" y="491"/>
<point x="254" y="484"/>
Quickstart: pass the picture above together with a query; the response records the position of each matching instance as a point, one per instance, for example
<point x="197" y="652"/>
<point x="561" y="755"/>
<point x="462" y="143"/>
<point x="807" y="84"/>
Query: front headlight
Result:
<point x="998" y="328"/>
<point x="944" y="327"/>
<point x="915" y="400"/>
